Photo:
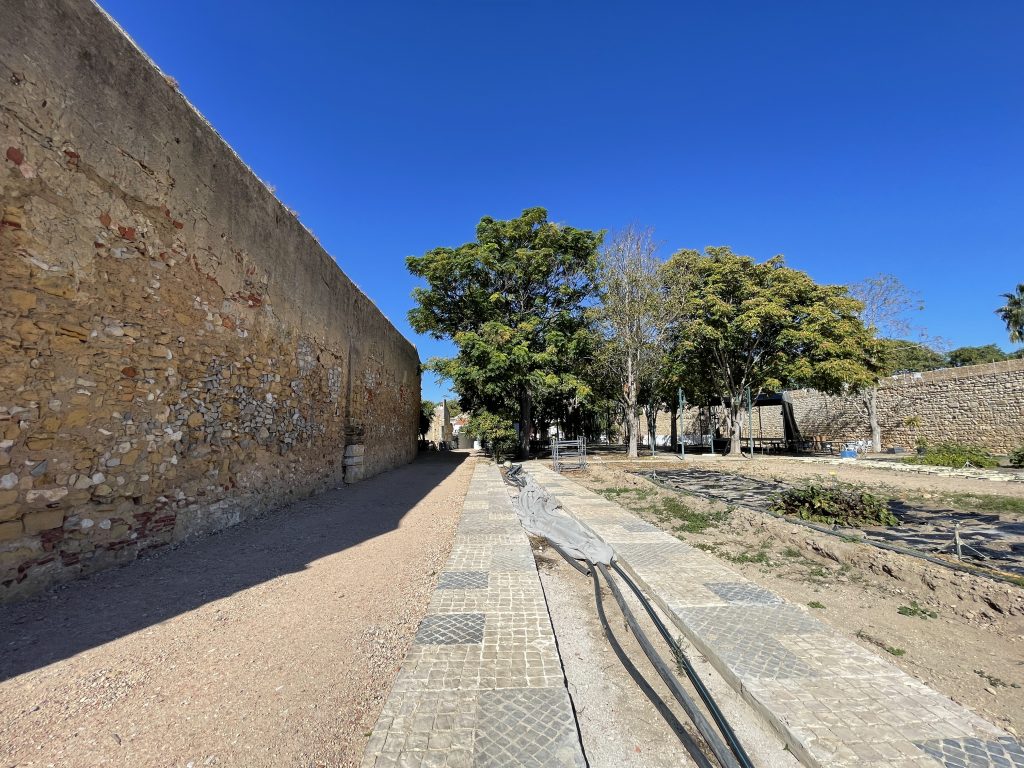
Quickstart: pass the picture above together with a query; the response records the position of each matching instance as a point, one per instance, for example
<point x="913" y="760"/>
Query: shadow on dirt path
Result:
<point x="173" y="580"/>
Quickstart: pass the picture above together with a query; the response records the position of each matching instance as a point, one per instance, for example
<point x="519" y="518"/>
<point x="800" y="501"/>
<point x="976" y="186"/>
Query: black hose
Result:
<point x="702" y="691"/>
<point x="721" y="752"/>
<point x="570" y="559"/>
<point x="685" y="738"/>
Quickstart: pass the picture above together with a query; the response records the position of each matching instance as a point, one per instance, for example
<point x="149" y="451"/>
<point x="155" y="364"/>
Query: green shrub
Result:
<point x="1017" y="456"/>
<point x="916" y="610"/>
<point x="842" y="504"/>
<point x="497" y="433"/>
<point x="956" y="455"/>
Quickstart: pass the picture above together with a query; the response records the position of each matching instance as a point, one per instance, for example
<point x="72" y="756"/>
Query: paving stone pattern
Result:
<point x="482" y="685"/>
<point x="1000" y="540"/>
<point x="835" y="703"/>
<point x="967" y="753"/>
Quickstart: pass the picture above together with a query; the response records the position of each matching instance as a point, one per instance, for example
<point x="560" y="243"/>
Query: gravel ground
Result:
<point x="273" y="643"/>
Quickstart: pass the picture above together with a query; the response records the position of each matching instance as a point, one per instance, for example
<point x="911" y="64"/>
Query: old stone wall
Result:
<point x="979" y="404"/>
<point x="177" y="352"/>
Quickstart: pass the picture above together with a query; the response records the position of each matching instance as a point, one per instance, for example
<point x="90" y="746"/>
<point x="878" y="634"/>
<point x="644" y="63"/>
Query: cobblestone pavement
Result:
<point x="999" y="540"/>
<point x="835" y="703"/>
<point x="482" y="685"/>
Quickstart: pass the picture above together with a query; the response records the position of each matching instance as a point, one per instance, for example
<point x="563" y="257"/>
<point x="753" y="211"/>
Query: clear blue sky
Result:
<point x="853" y="137"/>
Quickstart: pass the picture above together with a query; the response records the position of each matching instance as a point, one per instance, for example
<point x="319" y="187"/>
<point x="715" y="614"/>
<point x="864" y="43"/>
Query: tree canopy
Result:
<point x="1012" y="313"/>
<point x="905" y="356"/>
<point x="513" y="303"/>
<point x="766" y="326"/>
<point x="989" y="353"/>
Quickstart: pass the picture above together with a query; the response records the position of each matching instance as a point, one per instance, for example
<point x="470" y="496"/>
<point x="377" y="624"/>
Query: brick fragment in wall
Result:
<point x="177" y="353"/>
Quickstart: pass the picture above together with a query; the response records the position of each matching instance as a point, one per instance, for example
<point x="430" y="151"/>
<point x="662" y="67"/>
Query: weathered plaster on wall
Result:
<point x="177" y="352"/>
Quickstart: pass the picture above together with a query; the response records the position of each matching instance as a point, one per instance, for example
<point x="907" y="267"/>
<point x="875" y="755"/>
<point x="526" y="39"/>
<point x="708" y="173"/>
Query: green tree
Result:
<point x="766" y="326"/>
<point x="963" y="356"/>
<point x="426" y="416"/>
<point x="1012" y="313"/>
<point x="496" y="432"/>
<point x="513" y="303"/>
<point x="905" y="356"/>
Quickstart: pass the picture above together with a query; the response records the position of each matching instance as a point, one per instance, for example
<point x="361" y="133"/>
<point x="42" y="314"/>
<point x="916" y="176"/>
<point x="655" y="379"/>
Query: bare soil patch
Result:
<point x="961" y="634"/>
<point x="273" y="643"/>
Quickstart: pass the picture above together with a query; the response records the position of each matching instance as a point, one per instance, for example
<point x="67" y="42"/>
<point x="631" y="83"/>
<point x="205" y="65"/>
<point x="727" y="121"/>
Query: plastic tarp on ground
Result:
<point x="543" y="516"/>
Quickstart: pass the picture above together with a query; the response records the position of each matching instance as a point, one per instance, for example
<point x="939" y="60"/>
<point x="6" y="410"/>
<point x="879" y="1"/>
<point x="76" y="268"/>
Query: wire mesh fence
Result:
<point x="568" y="454"/>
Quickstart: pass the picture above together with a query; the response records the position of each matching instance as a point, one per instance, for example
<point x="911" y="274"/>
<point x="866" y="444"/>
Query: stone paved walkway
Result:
<point x="482" y="685"/>
<point x="835" y="703"/>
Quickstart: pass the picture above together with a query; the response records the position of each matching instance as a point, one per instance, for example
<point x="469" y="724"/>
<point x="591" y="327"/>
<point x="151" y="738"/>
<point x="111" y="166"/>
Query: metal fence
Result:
<point x="568" y="454"/>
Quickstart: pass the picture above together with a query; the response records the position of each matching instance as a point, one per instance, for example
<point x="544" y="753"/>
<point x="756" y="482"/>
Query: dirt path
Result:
<point x="270" y="644"/>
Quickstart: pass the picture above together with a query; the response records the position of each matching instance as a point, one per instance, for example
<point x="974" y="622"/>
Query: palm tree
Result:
<point x="1013" y="314"/>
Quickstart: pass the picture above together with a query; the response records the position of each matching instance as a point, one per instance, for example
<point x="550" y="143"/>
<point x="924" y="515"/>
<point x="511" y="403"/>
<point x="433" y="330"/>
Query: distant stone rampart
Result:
<point x="979" y="404"/>
<point x="177" y="352"/>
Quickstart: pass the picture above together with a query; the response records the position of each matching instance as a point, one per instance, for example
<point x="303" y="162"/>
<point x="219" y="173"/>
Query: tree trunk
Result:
<point x="525" y="407"/>
<point x="652" y="426"/>
<point x="734" y="426"/>
<point x="674" y="434"/>
<point x="631" y="431"/>
<point x="871" y="400"/>
<point x="630" y="394"/>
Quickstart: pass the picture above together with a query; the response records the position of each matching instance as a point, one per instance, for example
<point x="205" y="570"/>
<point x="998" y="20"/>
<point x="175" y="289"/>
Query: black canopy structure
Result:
<point x="791" y="432"/>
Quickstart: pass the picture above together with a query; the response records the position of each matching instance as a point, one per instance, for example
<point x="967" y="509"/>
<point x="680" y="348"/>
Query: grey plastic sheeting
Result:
<point x="543" y="516"/>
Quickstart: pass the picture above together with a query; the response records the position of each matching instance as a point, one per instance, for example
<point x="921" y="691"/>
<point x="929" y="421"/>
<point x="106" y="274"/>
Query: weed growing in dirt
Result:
<point x="1017" y="456"/>
<point x="634" y="494"/>
<point x="984" y="502"/>
<point x="916" y="610"/>
<point x="881" y="644"/>
<point x="994" y="681"/>
<point x="816" y="604"/>
<point x="817" y="574"/>
<point x="956" y="455"/>
<point x="690" y="520"/>
<point x="843" y="504"/>
<point x="750" y="555"/>
<point x="666" y="508"/>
